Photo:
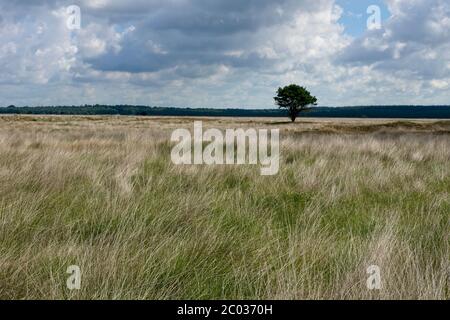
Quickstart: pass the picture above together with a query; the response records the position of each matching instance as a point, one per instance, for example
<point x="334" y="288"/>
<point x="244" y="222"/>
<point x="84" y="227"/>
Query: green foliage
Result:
<point x="295" y="99"/>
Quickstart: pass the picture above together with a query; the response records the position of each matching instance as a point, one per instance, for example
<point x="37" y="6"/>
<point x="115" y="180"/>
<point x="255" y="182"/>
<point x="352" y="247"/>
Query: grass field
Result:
<point x="102" y="193"/>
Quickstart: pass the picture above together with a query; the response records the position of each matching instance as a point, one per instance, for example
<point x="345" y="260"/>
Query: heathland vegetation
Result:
<point x="101" y="193"/>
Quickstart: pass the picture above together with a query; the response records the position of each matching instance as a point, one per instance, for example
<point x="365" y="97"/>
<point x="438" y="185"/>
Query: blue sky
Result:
<point x="355" y="15"/>
<point x="223" y="53"/>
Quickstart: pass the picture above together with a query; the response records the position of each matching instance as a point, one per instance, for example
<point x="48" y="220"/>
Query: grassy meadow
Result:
<point x="102" y="193"/>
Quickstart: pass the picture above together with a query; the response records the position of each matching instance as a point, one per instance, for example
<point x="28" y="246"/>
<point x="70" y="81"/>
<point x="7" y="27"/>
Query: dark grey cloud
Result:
<point x="198" y="32"/>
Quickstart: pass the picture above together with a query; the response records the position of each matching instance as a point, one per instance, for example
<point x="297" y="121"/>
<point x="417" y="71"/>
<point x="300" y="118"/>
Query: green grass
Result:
<point x="141" y="228"/>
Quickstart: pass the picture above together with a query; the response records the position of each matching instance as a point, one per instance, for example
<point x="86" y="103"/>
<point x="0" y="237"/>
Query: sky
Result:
<point x="223" y="53"/>
<point x="354" y="15"/>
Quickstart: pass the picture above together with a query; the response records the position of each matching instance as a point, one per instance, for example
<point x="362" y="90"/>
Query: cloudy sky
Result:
<point x="223" y="53"/>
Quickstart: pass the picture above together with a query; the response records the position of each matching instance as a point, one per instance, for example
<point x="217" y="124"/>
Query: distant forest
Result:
<point x="423" y="112"/>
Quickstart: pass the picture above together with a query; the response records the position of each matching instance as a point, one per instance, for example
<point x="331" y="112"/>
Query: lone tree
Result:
<point x="295" y="99"/>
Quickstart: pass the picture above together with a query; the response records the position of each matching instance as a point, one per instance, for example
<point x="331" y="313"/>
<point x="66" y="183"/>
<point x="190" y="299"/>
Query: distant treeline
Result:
<point x="430" y="112"/>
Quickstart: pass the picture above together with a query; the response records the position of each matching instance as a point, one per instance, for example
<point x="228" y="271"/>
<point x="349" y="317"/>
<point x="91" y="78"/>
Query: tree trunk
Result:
<point x="292" y="115"/>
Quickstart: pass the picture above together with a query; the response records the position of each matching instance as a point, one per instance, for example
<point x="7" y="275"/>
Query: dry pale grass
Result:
<point x="101" y="193"/>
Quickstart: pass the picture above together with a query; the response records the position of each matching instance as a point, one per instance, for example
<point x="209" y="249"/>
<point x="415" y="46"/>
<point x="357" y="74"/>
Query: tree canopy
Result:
<point x="295" y="99"/>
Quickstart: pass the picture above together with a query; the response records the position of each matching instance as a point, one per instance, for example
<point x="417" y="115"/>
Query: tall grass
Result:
<point x="102" y="193"/>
